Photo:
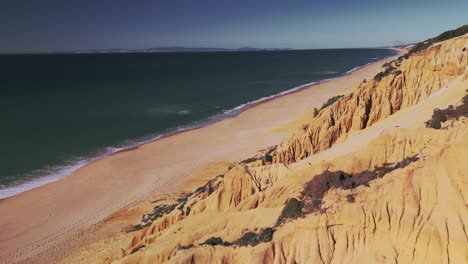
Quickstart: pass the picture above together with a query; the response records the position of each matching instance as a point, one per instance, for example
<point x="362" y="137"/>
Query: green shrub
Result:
<point x="216" y="241"/>
<point x="331" y="101"/>
<point x="292" y="210"/>
<point x="452" y="34"/>
<point x="266" y="235"/>
<point x="248" y="239"/>
<point x="186" y="247"/>
<point x="451" y="112"/>
<point x="378" y="76"/>
<point x="249" y="160"/>
<point x="383" y="171"/>
<point x="436" y="119"/>
<point x="157" y="212"/>
<point x="315" y="112"/>
<point x="253" y="239"/>
<point x="403" y="57"/>
<point x="388" y="70"/>
<point x="319" y="185"/>
<point x="350" y="198"/>
<point x="182" y="199"/>
<point x="444" y="36"/>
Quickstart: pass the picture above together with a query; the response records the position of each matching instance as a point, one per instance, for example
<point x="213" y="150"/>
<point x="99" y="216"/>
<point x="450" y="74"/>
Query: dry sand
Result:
<point x="38" y="222"/>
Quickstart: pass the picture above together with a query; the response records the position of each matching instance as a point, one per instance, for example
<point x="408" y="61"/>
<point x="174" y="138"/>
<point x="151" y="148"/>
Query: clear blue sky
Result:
<point x="58" y="25"/>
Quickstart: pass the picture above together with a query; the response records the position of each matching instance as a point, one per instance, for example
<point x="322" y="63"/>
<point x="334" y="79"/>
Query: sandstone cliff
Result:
<point x="406" y="83"/>
<point x="398" y="196"/>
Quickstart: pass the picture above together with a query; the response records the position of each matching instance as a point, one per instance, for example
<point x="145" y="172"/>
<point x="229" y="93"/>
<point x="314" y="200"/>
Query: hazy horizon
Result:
<point x="59" y="26"/>
<point x="179" y="49"/>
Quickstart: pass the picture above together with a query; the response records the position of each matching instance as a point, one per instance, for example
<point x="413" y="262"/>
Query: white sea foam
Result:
<point x="50" y="174"/>
<point x="167" y="110"/>
<point x="183" y="112"/>
<point x="358" y="67"/>
<point x="41" y="177"/>
<point x="354" y="69"/>
<point x="53" y="173"/>
<point x="326" y="72"/>
<point x="239" y="108"/>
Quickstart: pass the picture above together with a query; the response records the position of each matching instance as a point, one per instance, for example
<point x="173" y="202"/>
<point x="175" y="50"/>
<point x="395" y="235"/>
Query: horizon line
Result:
<point x="187" y="50"/>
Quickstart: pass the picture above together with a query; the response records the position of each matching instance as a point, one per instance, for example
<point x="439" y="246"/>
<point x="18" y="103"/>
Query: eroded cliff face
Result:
<point x="241" y="188"/>
<point x="412" y="215"/>
<point x="411" y="81"/>
<point x="416" y="213"/>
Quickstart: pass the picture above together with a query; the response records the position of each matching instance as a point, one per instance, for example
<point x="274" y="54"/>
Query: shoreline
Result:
<point x="59" y="172"/>
<point x="94" y="191"/>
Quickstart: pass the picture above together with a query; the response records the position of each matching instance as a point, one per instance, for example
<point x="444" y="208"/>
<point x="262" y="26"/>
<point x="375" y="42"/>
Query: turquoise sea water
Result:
<point x="60" y="111"/>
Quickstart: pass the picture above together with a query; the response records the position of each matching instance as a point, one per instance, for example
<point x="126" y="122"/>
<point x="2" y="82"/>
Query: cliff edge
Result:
<point x="365" y="178"/>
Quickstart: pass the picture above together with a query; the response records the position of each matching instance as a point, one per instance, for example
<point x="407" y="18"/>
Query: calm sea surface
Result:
<point x="60" y="111"/>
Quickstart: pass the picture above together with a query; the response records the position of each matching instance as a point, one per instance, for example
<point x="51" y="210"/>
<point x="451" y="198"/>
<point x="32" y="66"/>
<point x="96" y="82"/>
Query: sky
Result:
<point x="66" y="25"/>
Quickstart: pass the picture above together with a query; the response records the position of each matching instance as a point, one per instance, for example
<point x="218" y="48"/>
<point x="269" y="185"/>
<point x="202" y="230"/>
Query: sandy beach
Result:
<point x="42" y="219"/>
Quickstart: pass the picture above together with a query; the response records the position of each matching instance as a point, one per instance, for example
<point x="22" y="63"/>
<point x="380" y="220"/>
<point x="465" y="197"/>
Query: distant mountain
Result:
<point x="174" y="49"/>
<point x="184" y="49"/>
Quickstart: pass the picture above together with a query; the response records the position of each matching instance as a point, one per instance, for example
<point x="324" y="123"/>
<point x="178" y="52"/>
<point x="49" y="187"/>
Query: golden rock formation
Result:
<point x="412" y="81"/>
<point x="416" y="213"/>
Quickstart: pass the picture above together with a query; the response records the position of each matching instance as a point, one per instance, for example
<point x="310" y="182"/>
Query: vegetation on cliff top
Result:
<point x="163" y="209"/>
<point x="331" y="101"/>
<point x="444" y="36"/>
<point x="265" y="158"/>
<point x="157" y="212"/>
<point x="391" y="67"/>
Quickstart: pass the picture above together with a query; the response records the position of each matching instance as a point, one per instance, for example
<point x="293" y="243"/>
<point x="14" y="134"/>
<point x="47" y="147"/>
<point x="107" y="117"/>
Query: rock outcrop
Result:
<point x="412" y="215"/>
<point x="406" y="82"/>
<point x="242" y="188"/>
<point x="416" y="213"/>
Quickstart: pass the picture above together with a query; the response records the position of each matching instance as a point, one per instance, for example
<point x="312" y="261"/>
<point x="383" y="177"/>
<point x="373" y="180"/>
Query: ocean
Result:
<point x="59" y="112"/>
